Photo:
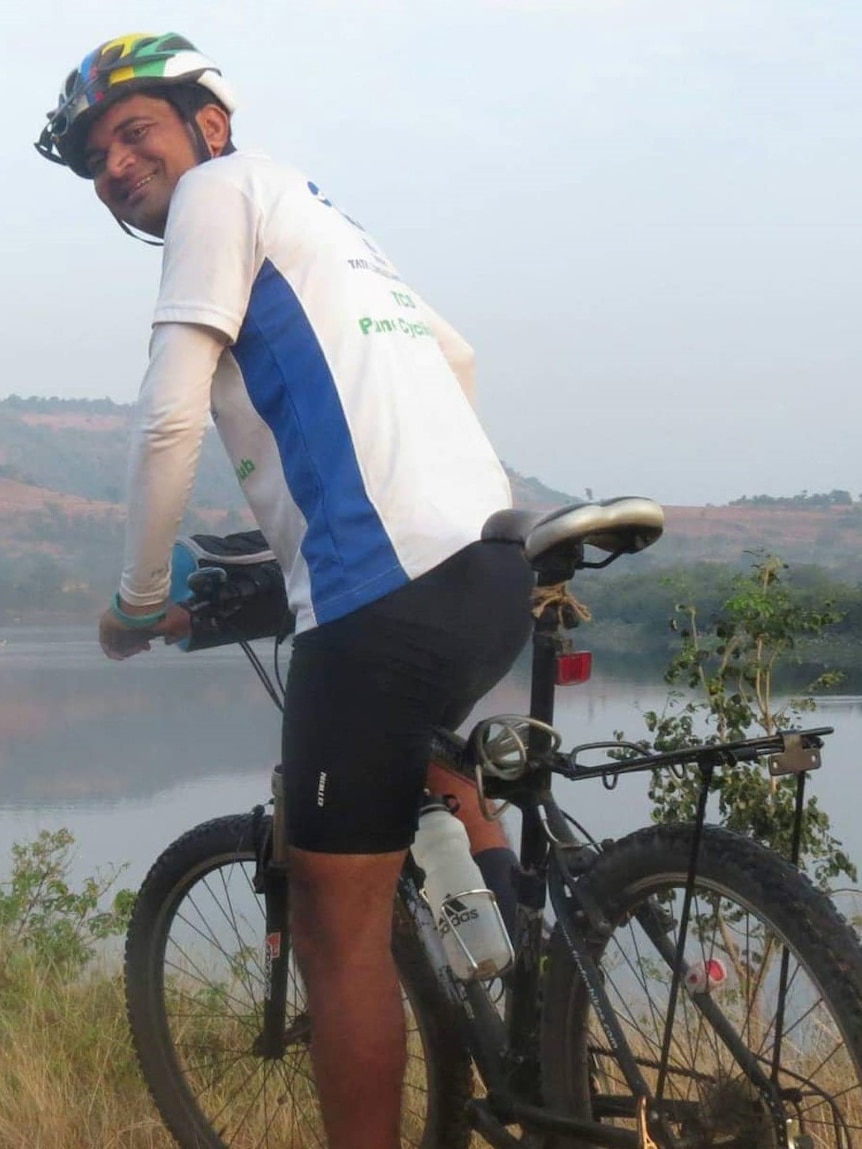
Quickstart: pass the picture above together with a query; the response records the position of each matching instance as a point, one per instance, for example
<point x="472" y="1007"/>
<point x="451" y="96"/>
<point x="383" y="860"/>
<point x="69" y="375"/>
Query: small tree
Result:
<point x="730" y="664"/>
<point x="42" y="915"/>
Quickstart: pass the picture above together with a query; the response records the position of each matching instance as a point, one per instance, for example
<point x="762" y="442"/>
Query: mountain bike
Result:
<point x="680" y="987"/>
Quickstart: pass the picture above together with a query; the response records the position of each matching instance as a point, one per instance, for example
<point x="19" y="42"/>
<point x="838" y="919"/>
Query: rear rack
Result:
<point x="786" y="751"/>
<point x="502" y="749"/>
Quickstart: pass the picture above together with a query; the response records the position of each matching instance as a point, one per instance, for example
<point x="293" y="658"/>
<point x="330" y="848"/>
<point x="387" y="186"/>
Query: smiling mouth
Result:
<point x="139" y="187"/>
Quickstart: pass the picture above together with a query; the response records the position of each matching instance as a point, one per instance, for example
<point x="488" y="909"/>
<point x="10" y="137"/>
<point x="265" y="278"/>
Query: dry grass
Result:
<point x="68" y="1078"/>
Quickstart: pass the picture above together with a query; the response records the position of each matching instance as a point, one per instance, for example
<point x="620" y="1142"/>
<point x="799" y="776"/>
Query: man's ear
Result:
<point x="214" y="123"/>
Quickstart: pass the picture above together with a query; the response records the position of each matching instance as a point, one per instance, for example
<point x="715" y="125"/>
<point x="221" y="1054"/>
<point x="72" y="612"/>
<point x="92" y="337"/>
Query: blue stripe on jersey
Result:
<point x="351" y="560"/>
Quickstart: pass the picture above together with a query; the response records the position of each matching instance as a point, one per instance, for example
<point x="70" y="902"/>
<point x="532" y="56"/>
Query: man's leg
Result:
<point x="489" y="843"/>
<point x="483" y="835"/>
<point x="341" y="920"/>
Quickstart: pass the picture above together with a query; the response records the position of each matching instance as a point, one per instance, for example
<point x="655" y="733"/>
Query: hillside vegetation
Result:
<point x="62" y="478"/>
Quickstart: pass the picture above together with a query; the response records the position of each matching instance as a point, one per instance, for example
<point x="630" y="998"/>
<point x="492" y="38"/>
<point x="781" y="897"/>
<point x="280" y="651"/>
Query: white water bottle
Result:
<point x="465" y="911"/>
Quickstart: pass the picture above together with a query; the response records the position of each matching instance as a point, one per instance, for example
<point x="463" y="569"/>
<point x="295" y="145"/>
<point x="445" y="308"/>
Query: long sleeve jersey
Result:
<point x="334" y="389"/>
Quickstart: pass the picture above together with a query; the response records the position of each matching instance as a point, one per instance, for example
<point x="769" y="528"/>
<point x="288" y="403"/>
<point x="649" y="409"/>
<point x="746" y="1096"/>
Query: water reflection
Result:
<point x="76" y="728"/>
<point x="127" y="755"/>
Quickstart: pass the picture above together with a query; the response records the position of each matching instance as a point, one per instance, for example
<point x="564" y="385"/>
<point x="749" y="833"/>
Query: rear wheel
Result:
<point x="195" y="973"/>
<point x="766" y="948"/>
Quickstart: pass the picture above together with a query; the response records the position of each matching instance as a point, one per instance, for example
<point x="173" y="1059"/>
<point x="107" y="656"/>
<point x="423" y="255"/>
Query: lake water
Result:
<point x="128" y="755"/>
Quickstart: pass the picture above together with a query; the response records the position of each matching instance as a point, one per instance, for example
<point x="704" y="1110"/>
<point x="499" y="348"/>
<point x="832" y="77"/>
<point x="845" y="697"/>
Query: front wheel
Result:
<point x="195" y="974"/>
<point x="766" y="948"/>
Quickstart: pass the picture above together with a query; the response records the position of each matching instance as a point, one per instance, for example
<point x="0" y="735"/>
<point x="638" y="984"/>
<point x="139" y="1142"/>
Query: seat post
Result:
<point x="553" y="568"/>
<point x="531" y="885"/>
<point x="544" y="661"/>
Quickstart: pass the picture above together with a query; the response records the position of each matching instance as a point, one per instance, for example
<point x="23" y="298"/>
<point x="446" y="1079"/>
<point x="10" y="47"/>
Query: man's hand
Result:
<point x="176" y="626"/>
<point x="120" y="641"/>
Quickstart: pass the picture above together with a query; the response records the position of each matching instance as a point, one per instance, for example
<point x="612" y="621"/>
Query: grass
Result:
<point x="68" y="1077"/>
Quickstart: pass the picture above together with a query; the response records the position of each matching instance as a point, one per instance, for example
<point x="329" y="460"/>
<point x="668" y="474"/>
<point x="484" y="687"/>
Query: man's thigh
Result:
<point x="355" y="751"/>
<point x="364" y="693"/>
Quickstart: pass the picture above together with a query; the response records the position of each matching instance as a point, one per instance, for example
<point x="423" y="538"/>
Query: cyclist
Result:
<point x="342" y="400"/>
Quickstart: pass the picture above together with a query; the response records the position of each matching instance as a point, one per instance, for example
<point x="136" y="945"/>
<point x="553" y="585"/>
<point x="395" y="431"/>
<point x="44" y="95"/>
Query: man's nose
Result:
<point x="118" y="159"/>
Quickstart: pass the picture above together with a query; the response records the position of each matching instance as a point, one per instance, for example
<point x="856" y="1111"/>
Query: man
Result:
<point x="340" y="397"/>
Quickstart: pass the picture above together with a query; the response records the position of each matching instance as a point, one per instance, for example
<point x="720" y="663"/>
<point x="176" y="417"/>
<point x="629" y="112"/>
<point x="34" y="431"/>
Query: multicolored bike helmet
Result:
<point x="168" y="65"/>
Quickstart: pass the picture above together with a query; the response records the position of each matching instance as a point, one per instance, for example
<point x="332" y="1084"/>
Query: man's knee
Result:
<point x="341" y="905"/>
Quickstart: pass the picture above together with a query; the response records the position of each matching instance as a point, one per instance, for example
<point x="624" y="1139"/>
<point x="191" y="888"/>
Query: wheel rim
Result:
<point x="213" y="993"/>
<point x="707" y="1099"/>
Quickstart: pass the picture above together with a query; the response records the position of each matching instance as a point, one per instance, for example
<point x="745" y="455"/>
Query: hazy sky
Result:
<point x="644" y="214"/>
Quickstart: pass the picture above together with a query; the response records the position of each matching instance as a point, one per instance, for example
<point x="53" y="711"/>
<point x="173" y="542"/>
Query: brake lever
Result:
<point x="206" y="582"/>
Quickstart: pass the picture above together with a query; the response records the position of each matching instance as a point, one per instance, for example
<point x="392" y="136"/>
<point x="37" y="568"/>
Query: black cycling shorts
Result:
<point x="364" y="692"/>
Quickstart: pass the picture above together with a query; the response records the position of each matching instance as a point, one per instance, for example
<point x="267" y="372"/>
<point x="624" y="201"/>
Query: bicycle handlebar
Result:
<point x="245" y="603"/>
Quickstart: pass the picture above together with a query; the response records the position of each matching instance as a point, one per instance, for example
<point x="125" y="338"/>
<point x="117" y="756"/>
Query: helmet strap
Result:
<point x="137" y="235"/>
<point x="202" y="148"/>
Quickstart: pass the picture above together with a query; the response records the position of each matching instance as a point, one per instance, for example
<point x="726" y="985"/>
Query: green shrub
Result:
<point x="43" y="916"/>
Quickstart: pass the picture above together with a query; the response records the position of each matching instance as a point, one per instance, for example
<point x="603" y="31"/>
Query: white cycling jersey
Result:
<point x="335" y="395"/>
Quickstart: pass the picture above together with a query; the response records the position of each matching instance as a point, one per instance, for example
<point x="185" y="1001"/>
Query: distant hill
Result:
<point x="62" y="477"/>
<point x="830" y="537"/>
<point x="62" y="482"/>
<point x="80" y="447"/>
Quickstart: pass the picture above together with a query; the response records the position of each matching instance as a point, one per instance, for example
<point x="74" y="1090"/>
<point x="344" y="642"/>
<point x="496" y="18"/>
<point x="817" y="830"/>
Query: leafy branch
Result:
<point x="42" y="914"/>
<point x="723" y="680"/>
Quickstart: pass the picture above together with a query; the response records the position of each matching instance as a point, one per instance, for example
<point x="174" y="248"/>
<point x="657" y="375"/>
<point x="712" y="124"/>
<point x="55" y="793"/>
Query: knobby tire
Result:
<point x="748" y="905"/>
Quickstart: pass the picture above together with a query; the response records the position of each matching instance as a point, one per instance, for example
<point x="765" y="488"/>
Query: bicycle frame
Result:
<point x="506" y="1050"/>
<point x="602" y="1033"/>
<point x="552" y="859"/>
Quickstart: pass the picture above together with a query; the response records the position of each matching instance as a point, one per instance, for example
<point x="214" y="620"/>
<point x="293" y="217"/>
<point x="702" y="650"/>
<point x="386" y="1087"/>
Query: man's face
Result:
<point x="136" y="153"/>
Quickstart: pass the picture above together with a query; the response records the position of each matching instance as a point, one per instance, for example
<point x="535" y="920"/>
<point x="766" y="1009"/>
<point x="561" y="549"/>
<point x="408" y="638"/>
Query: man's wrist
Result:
<point x="124" y="613"/>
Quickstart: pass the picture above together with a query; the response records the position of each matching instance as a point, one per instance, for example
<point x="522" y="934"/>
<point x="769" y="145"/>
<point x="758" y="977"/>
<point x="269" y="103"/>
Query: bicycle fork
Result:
<point x="271" y="881"/>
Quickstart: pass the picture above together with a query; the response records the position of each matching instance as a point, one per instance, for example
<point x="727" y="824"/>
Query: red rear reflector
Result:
<point x="575" y="667"/>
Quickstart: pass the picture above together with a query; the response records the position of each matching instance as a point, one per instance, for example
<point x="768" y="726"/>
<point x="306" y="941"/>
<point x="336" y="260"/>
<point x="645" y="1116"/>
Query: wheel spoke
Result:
<point x="727" y="1086"/>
